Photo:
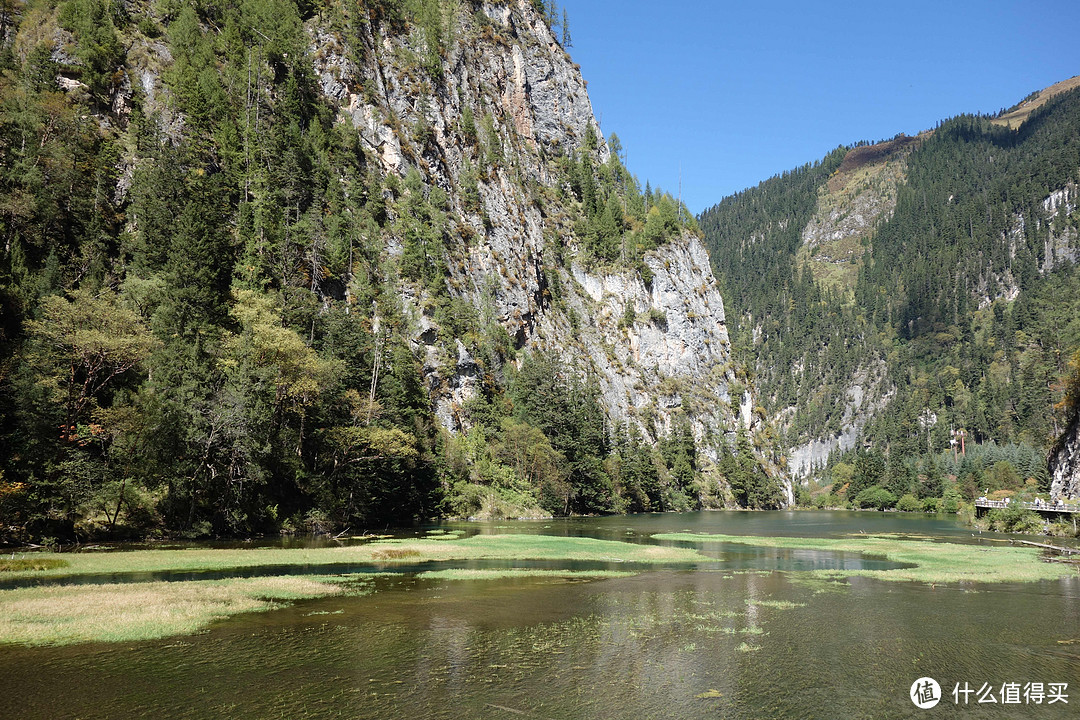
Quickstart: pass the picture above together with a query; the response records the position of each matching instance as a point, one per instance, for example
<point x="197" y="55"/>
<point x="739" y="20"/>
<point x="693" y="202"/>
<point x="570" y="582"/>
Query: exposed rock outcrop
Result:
<point x="505" y="89"/>
<point x="1065" y="464"/>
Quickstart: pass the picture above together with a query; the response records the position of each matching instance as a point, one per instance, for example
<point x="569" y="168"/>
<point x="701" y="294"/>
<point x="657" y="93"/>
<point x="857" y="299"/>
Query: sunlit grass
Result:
<point x="33" y="562"/>
<point x="382" y="552"/>
<point x="444" y="534"/>
<point x="472" y="574"/>
<point x="932" y="562"/>
<point x="65" y="614"/>
<point x="69" y="614"/>
<point x="776" y="604"/>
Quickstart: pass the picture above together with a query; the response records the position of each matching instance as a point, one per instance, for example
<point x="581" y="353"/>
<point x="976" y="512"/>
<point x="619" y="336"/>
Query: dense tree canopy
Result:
<point x="967" y="296"/>
<point x="203" y="278"/>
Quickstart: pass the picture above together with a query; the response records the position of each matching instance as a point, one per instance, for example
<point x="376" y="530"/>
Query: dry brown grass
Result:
<point x="1017" y="117"/>
<point x="878" y="154"/>
<point x="68" y="614"/>
<point x="65" y="614"/>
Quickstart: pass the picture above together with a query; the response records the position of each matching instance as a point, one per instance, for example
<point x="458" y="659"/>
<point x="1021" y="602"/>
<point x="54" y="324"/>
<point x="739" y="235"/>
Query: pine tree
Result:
<point x="566" y="43"/>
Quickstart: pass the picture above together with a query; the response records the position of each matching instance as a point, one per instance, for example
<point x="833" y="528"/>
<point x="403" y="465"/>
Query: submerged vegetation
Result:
<point x="477" y="547"/>
<point x="72" y="613"/>
<point x="65" y="613"/>
<point x="930" y="562"/>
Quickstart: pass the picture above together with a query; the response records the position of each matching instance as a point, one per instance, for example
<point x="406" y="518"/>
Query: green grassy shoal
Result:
<point x="70" y="614"/>
<point x="66" y="614"/>
<point x="933" y="562"/>
<point x="522" y="573"/>
<point x="386" y="552"/>
<point x="34" y="562"/>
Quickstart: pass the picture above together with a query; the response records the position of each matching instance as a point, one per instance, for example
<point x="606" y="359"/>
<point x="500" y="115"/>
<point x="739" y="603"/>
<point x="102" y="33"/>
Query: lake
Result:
<point x="749" y="634"/>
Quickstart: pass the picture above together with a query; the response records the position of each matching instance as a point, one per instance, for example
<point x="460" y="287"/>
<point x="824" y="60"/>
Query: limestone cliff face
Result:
<point x="867" y="392"/>
<point x="1065" y="464"/>
<point x="663" y="347"/>
<point x="505" y="89"/>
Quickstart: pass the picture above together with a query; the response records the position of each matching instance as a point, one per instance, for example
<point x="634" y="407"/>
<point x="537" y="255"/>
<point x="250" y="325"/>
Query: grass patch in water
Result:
<point x="477" y="547"/>
<point x="747" y="647"/>
<point x="70" y="614"/>
<point x="776" y="604"/>
<point x="932" y="562"/>
<point x="818" y="585"/>
<point x="394" y="554"/>
<point x="444" y="534"/>
<point x="24" y="564"/>
<point x="65" y="614"/>
<point x="521" y="573"/>
<point x="715" y="629"/>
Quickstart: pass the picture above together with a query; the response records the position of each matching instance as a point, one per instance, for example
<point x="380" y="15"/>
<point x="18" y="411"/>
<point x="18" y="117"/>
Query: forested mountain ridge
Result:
<point x="954" y="308"/>
<point x="300" y="266"/>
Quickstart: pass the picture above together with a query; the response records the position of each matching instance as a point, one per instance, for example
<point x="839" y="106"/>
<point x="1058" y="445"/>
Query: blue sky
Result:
<point x="736" y="92"/>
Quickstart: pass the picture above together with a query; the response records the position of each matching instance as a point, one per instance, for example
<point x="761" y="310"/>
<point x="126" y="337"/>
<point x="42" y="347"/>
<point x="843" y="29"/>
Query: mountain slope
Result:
<point x="935" y="294"/>
<point x="284" y="266"/>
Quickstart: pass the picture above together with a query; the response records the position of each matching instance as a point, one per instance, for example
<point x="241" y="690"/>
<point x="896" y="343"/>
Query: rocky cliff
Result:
<point x="655" y="340"/>
<point x="381" y="263"/>
<point x="1065" y="464"/>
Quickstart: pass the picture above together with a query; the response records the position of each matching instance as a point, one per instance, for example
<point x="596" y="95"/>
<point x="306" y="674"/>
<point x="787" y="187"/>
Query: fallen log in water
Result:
<point x="1067" y="551"/>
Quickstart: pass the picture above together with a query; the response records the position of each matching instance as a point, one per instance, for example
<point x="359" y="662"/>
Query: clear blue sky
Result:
<point x="735" y="92"/>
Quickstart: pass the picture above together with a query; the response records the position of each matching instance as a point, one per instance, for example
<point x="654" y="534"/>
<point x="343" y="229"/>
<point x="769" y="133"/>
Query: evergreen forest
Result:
<point x="965" y="301"/>
<point x="203" y="273"/>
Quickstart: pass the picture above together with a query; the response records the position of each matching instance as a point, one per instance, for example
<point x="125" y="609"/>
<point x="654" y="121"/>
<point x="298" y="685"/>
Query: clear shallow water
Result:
<point x="771" y="643"/>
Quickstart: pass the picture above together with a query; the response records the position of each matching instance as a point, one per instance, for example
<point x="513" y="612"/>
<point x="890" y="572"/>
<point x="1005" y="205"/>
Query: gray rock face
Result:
<point x="867" y="393"/>
<point x="1065" y="465"/>
<point x="1062" y="244"/>
<point x="659" y="350"/>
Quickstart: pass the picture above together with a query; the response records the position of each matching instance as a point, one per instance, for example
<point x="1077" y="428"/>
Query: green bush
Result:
<point x="1015" y="519"/>
<point x="931" y="504"/>
<point x="875" y="497"/>
<point x="909" y="503"/>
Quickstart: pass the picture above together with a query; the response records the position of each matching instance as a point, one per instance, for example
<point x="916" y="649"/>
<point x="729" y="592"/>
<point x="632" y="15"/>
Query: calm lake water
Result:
<point x="748" y="635"/>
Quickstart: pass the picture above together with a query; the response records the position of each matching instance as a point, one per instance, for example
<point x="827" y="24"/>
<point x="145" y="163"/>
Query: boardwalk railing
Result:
<point x="1058" y="507"/>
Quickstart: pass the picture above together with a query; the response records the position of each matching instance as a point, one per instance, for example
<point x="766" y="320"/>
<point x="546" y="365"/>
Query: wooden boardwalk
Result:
<point x="1044" y="509"/>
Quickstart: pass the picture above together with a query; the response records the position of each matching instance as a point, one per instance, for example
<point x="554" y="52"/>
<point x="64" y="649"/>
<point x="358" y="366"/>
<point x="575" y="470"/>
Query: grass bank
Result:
<point x="69" y="614"/>
<point x="380" y="552"/>
<point x="933" y="562"/>
<point x="467" y="574"/>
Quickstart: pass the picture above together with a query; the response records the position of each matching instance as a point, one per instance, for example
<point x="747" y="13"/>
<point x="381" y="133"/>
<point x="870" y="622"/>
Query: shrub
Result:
<point x="1015" y="520"/>
<point x="909" y="503"/>
<point x="875" y="497"/>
